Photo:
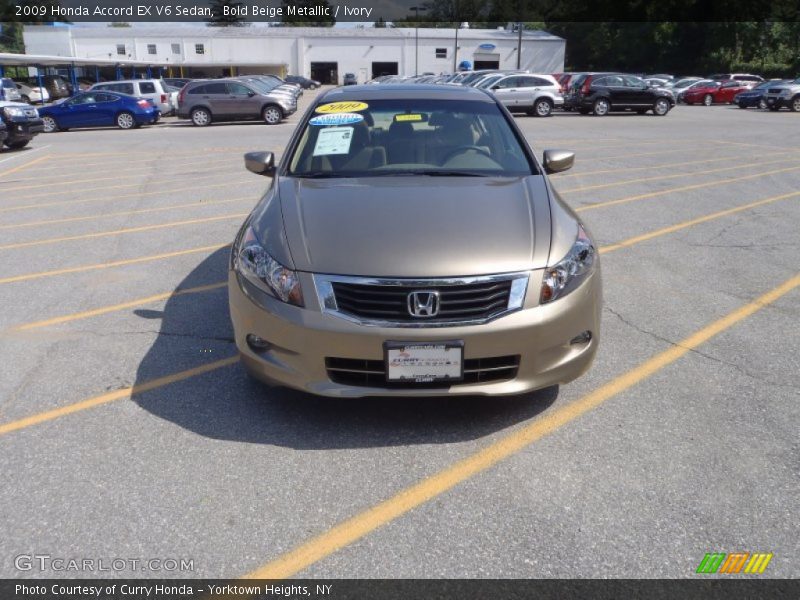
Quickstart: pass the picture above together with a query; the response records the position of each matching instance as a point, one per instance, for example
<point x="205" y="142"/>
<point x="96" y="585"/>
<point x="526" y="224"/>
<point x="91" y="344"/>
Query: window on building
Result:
<point x="441" y="53"/>
<point x="151" y="48"/>
<point x="121" y="49"/>
<point x="176" y="48"/>
<point x="199" y="49"/>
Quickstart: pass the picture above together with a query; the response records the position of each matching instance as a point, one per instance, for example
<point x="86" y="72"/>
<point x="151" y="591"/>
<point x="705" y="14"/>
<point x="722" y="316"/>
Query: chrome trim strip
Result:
<point x="327" y="299"/>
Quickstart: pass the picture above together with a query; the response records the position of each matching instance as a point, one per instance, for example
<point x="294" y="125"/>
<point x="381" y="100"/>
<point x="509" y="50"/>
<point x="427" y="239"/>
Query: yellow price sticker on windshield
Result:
<point x="401" y="118"/>
<point x="339" y="107"/>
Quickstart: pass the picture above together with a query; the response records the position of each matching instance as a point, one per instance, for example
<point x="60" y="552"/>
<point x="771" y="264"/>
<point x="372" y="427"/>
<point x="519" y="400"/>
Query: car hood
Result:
<point x="416" y="226"/>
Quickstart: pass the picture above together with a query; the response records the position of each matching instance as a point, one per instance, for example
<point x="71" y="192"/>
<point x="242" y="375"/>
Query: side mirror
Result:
<point x="556" y="161"/>
<point x="495" y="87"/>
<point x="250" y="94"/>
<point x="260" y="163"/>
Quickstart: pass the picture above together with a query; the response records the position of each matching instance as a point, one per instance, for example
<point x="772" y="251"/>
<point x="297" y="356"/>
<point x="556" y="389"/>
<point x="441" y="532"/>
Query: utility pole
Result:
<point x="455" y="51"/>
<point x="416" y="10"/>
<point x="519" y="45"/>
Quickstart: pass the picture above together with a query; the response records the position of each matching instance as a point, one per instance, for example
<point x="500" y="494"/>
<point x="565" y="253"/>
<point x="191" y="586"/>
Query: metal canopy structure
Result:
<point x="42" y="60"/>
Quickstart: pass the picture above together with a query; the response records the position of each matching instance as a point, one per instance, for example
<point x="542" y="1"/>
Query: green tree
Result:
<point x="219" y="18"/>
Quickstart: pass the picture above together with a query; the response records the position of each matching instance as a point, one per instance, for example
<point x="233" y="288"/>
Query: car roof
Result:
<point x="406" y="91"/>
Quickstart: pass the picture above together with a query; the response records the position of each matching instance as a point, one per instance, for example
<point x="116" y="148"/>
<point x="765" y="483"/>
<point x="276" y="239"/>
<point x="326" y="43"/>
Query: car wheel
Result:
<point x="542" y="108"/>
<point x="50" y="124"/>
<point x="762" y="104"/>
<point x="272" y="115"/>
<point x="26" y="99"/>
<point x="795" y="105"/>
<point x="201" y="117"/>
<point x="708" y="99"/>
<point x="17" y="145"/>
<point x="601" y="107"/>
<point x="661" y="107"/>
<point x="742" y="105"/>
<point x="125" y="120"/>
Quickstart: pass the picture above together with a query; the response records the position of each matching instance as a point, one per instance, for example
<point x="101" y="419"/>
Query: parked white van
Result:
<point x="152" y="89"/>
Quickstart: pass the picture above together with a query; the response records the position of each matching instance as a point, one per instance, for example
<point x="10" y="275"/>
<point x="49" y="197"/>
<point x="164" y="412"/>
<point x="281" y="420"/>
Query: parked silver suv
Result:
<point x="784" y="94"/>
<point x="207" y="100"/>
<point x="155" y="90"/>
<point x="529" y="92"/>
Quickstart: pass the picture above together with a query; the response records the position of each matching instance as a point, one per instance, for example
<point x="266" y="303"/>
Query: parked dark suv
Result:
<point x="602" y="93"/>
<point x="207" y="100"/>
<point x="22" y="121"/>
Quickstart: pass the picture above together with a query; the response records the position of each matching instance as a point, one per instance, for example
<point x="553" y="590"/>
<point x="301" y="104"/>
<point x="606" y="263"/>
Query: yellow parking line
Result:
<point x="680" y="189"/>
<point x="603" y="250"/>
<point x="141" y="211"/>
<point x="138" y="169"/>
<point x="673" y="228"/>
<point x="357" y="527"/>
<point x="25" y="166"/>
<point x="673" y="176"/>
<point x="108" y="265"/>
<point x="103" y="188"/>
<point x="124" y="393"/>
<point x="122" y="306"/>
<point x="190" y="188"/>
<point x="662" y="166"/>
<point x="614" y="157"/>
<point x="201" y="153"/>
<point x="100" y="234"/>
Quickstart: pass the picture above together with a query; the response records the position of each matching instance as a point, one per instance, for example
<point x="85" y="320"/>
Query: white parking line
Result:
<point x="26" y="153"/>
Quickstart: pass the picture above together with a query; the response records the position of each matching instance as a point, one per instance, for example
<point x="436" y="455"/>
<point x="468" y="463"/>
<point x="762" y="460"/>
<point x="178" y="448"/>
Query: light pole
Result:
<point x="416" y="10"/>
<point x="519" y="45"/>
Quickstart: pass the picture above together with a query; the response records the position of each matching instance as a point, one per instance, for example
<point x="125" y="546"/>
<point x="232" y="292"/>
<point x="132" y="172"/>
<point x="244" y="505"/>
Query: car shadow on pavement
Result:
<point x="225" y="404"/>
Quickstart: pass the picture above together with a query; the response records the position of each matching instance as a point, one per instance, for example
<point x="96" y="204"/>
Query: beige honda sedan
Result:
<point x="410" y="244"/>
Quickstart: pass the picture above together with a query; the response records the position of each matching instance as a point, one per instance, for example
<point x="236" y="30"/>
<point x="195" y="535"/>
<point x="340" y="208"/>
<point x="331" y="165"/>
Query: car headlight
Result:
<point x="562" y="278"/>
<point x="267" y="274"/>
<point x="14" y="111"/>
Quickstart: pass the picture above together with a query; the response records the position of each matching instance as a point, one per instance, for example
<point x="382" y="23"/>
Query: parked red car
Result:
<point x="718" y="92"/>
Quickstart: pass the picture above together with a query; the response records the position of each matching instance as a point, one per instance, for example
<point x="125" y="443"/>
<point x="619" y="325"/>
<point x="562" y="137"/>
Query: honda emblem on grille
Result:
<point x="423" y="303"/>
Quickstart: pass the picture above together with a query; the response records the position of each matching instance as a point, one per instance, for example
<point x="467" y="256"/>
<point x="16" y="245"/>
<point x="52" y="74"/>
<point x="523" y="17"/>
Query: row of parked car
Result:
<point x="539" y="94"/>
<point x="128" y="104"/>
<point x="601" y="93"/>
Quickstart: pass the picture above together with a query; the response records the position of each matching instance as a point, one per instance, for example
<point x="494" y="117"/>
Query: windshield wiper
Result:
<point x="317" y="175"/>
<point x="430" y="172"/>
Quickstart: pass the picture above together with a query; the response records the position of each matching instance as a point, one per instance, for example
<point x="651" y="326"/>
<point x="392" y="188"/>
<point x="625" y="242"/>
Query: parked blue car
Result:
<point x="753" y="97"/>
<point x="99" y="109"/>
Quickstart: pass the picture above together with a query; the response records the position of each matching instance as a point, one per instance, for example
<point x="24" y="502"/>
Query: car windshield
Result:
<point x="409" y="137"/>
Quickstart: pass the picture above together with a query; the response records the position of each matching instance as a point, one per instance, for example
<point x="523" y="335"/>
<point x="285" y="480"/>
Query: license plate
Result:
<point x="421" y="362"/>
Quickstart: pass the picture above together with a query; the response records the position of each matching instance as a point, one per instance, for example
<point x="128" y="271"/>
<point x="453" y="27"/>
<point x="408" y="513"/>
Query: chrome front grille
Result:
<point x="386" y="302"/>
<point x="372" y="373"/>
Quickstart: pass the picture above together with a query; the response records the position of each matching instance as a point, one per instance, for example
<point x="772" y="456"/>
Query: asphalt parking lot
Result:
<point x="128" y="430"/>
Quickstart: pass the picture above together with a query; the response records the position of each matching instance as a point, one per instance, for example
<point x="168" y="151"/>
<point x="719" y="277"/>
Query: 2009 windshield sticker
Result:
<point x="334" y="140"/>
<point x="342" y="107"/>
<point x="407" y="117"/>
<point x="336" y="119"/>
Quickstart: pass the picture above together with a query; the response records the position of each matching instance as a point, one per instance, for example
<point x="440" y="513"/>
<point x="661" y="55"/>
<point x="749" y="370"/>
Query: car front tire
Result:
<point x="201" y="117"/>
<point x="708" y="99"/>
<point x="272" y="115"/>
<point x="17" y="145"/>
<point x="795" y="105"/>
<point x="542" y="108"/>
<point x="661" y="107"/>
<point x="50" y="125"/>
<point x="762" y="104"/>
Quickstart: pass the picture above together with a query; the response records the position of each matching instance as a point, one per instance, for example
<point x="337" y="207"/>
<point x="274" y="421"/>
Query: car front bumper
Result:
<point x="777" y="101"/>
<point x="19" y="130"/>
<point x="301" y="340"/>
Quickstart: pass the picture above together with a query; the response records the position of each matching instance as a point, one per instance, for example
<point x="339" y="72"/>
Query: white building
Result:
<point x="325" y="54"/>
